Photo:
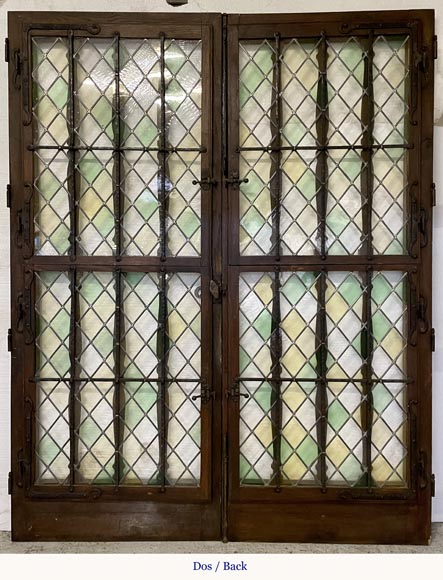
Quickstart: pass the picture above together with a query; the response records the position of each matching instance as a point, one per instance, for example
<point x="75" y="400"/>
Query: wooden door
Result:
<point x="112" y="162"/>
<point x="328" y="332"/>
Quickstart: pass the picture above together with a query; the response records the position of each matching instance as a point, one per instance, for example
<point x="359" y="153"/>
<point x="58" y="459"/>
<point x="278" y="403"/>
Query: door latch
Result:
<point x="216" y="289"/>
<point x="235" y="180"/>
<point x="205" y="183"/>
<point x="205" y="394"/>
<point x="235" y="394"/>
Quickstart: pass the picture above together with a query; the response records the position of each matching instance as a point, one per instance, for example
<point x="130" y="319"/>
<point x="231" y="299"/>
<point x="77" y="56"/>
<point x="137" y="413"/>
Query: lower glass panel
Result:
<point x="129" y="400"/>
<point x="323" y="366"/>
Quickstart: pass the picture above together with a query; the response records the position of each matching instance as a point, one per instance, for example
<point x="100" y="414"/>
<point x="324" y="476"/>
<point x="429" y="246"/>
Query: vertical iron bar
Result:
<point x="71" y="177"/>
<point x="116" y="172"/>
<point x="163" y="175"/>
<point x="73" y="366"/>
<point x="117" y="403"/>
<point x="162" y="370"/>
<point x="275" y="181"/>
<point x="322" y="125"/>
<point x="117" y="201"/>
<point x="74" y="336"/>
<point x="321" y="187"/>
<point x="276" y="341"/>
<point x="367" y="123"/>
<point x="162" y="335"/>
<point x="367" y="347"/>
<point x="367" y="186"/>
<point x="321" y="395"/>
<point x="276" y="400"/>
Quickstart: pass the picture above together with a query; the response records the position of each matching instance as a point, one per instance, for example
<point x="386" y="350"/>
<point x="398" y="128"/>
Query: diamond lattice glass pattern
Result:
<point x="299" y="82"/>
<point x="95" y="377"/>
<point x="95" y="136"/>
<point x="345" y="302"/>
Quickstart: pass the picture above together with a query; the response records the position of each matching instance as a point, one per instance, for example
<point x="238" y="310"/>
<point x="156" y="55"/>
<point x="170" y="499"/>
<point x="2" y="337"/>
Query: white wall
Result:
<point x="217" y="6"/>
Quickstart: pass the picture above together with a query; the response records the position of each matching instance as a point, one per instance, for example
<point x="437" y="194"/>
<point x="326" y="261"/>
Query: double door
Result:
<point x="220" y="252"/>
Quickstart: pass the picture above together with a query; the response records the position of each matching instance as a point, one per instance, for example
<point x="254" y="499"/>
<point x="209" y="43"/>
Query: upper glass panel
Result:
<point x="323" y="137"/>
<point x="117" y="119"/>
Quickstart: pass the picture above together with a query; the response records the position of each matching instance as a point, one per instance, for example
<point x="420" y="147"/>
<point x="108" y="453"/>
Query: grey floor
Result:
<point x="8" y="547"/>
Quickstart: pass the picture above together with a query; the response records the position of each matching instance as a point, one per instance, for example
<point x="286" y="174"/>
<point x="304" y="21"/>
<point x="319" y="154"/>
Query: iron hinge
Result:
<point x="435" y="47"/>
<point x="9" y="340"/>
<point x="432" y="339"/>
<point x="422" y="306"/>
<point x="216" y="289"/>
<point x="421" y="60"/>
<point x="433" y="195"/>
<point x="10" y="483"/>
<point x="432" y="485"/>
<point x="8" y="195"/>
<point x="6" y="49"/>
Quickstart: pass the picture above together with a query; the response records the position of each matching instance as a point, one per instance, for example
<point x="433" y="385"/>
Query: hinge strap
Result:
<point x="24" y="309"/>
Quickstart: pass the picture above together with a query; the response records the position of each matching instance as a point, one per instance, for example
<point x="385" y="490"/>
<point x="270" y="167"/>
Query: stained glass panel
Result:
<point x="95" y="377"/>
<point x="294" y="379"/>
<point x="280" y="87"/>
<point x="152" y="129"/>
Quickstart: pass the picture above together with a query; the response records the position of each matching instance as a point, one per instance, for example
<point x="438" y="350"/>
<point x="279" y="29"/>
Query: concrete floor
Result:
<point x="8" y="547"/>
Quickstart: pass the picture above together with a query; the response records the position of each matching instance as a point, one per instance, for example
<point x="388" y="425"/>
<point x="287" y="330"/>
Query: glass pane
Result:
<point x="290" y="319"/>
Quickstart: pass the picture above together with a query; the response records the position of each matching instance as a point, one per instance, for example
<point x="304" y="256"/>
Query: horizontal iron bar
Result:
<point x="326" y="147"/>
<point x="34" y="147"/>
<point x="113" y="380"/>
<point x="317" y="378"/>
